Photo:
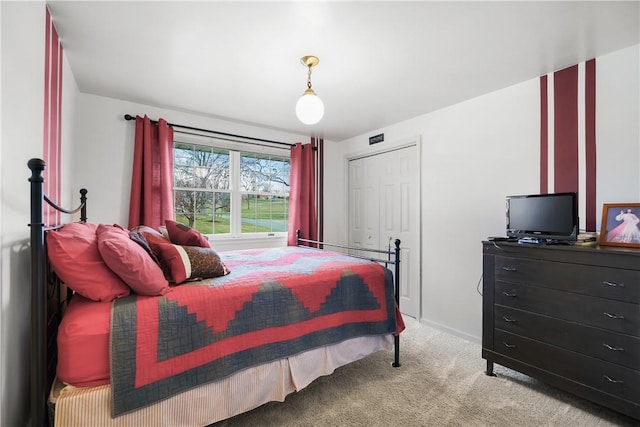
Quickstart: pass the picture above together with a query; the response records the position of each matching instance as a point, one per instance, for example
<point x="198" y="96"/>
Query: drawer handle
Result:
<point x="505" y="268"/>
<point x="612" y="284"/>
<point x="506" y="344"/>
<point x="611" y="380"/>
<point x="508" y="319"/>
<point x="613" y="348"/>
<point x="613" y="316"/>
<point x="511" y="294"/>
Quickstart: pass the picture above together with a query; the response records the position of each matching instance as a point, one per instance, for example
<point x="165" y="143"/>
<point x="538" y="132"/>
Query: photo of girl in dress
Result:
<point x="621" y="225"/>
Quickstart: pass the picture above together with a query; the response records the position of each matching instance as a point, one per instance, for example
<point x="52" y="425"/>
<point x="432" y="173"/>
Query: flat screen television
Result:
<point x="543" y="218"/>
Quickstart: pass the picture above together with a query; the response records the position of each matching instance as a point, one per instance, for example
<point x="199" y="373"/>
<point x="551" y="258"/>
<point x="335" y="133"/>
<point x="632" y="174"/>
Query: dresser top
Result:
<point x="609" y="256"/>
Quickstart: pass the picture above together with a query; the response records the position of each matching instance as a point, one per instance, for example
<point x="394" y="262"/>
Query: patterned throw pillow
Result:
<point x="74" y="257"/>
<point x="181" y="234"/>
<point x="191" y="262"/>
<point x="149" y="239"/>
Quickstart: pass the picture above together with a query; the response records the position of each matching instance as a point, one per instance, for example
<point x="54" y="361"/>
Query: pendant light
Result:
<point x="309" y="107"/>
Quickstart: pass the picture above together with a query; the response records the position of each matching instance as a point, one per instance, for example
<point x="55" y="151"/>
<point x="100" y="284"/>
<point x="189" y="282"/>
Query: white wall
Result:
<point x="617" y="127"/>
<point x="473" y="155"/>
<point x="22" y="86"/>
<point x="70" y="197"/>
<point x="22" y="112"/>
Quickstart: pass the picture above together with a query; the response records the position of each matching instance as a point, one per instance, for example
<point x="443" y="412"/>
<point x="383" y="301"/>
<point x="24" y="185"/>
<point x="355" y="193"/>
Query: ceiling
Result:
<point x="380" y="62"/>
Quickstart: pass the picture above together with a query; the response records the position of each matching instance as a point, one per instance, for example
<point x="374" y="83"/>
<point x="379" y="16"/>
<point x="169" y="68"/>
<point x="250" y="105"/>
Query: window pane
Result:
<point x="197" y="166"/>
<point x="264" y="173"/>
<point x="262" y="214"/>
<point x="279" y="214"/>
<point x="207" y="212"/>
<point x="284" y="176"/>
<point x="280" y="180"/>
<point x="221" y="213"/>
<point x="182" y="154"/>
<point x="193" y="208"/>
<point x="220" y="170"/>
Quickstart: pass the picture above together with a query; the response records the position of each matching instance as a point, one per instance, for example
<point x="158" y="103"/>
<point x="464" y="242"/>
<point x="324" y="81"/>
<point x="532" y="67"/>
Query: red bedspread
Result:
<point x="275" y="303"/>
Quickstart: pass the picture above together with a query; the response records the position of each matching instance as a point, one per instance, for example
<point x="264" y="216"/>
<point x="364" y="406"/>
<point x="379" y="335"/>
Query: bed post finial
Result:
<point x="83" y="201"/>
<point x="36" y="166"/>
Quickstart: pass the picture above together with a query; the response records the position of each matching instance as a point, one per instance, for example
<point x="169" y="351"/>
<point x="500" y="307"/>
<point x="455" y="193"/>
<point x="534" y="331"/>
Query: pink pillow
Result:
<point x="191" y="262"/>
<point x="181" y="234"/>
<point x="130" y="261"/>
<point x="75" y="258"/>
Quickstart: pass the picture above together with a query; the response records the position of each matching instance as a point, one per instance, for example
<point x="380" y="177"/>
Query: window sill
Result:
<point x="253" y="242"/>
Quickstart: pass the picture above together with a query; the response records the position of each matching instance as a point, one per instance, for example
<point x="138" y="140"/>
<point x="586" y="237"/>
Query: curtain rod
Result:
<point x="130" y="117"/>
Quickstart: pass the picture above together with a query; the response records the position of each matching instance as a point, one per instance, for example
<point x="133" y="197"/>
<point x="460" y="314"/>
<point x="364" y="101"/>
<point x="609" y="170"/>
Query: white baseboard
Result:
<point x="451" y="331"/>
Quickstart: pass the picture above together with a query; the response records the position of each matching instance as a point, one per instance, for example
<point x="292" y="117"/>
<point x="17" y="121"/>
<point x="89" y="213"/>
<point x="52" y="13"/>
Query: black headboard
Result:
<point x="47" y="295"/>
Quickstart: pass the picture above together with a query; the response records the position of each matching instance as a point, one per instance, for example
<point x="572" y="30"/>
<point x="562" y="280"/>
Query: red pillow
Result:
<point x="181" y="234"/>
<point x="75" y="258"/>
<point x="191" y="262"/>
<point x="130" y="261"/>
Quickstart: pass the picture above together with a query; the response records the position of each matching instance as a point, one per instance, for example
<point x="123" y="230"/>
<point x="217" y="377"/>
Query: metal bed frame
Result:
<point x="49" y="296"/>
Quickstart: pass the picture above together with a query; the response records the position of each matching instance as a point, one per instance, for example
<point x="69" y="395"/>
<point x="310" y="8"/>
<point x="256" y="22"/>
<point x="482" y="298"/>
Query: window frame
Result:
<point x="235" y="149"/>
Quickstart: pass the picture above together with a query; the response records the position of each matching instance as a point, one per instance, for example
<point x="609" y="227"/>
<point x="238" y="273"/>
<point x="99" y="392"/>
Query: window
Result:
<point x="231" y="192"/>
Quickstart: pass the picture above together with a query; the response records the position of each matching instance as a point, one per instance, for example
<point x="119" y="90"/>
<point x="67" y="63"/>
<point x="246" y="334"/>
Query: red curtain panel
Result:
<point x="152" y="179"/>
<point x="302" y="196"/>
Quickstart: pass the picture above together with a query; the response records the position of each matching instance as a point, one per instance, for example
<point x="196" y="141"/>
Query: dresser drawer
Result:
<point x="603" y="313"/>
<point x="599" y="343"/>
<point x="607" y="377"/>
<point x="611" y="283"/>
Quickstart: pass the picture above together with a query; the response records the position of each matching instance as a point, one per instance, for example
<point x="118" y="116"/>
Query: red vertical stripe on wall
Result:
<point x="574" y="152"/>
<point x="52" y="121"/>
<point x="590" y="144"/>
<point x="47" y="112"/>
<point x="59" y="137"/>
<point x="565" y="130"/>
<point x="54" y="175"/>
<point x="544" y="137"/>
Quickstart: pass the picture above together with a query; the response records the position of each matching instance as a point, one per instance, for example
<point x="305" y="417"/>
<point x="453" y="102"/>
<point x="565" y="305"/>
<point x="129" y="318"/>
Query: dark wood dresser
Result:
<point x="567" y="315"/>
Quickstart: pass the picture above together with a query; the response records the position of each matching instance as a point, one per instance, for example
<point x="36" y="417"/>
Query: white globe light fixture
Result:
<point x="309" y="107"/>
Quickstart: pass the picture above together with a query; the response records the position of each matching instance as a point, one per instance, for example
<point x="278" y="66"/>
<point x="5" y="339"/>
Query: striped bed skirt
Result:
<point x="218" y="400"/>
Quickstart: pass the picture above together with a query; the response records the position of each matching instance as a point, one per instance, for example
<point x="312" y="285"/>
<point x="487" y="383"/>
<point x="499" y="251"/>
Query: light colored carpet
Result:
<point x="441" y="383"/>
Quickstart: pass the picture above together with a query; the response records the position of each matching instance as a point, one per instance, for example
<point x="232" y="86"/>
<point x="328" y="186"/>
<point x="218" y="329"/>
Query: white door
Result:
<point x="364" y="215"/>
<point x="384" y="205"/>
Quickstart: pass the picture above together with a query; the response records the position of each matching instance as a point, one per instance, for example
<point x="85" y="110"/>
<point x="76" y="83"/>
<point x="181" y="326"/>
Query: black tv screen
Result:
<point x="544" y="216"/>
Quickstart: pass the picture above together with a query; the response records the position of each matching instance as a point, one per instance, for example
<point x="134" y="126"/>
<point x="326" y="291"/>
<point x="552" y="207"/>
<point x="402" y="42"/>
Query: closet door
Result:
<point x="364" y="214"/>
<point x="384" y="205"/>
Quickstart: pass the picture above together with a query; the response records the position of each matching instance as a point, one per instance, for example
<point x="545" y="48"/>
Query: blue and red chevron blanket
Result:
<point x="275" y="303"/>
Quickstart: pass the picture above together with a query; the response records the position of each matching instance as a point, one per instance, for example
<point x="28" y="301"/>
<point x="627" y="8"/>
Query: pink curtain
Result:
<point x="302" y="194"/>
<point x="152" y="180"/>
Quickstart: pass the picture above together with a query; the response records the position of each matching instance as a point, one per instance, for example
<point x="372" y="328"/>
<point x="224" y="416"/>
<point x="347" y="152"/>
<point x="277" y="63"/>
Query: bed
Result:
<point x="200" y="347"/>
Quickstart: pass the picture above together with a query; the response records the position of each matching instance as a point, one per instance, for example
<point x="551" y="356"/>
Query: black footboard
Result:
<point x="392" y="257"/>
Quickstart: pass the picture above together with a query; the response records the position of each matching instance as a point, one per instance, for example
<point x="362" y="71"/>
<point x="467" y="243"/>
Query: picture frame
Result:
<point x="620" y="225"/>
